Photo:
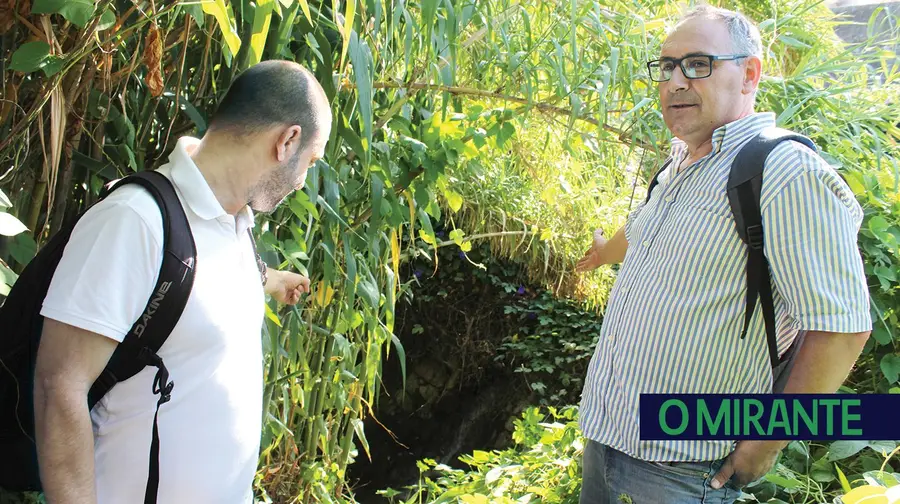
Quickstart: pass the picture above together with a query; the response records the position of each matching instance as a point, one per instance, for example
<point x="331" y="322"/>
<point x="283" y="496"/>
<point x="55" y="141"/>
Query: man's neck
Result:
<point x="225" y="171"/>
<point x="697" y="151"/>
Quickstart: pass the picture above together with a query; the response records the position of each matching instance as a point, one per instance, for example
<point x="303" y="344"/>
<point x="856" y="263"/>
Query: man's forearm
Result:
<point x="65" y="446"/>
<point x="615" y="249"/>
<point x="822" y="364"/>
<point x="824" y="361"/>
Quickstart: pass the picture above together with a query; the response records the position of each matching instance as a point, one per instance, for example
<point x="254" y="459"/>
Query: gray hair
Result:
<point x="744" y="34"/>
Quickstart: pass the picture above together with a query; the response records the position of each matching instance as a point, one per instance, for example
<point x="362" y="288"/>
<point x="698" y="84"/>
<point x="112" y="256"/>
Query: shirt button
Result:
<point x="669" y="199"/>
<point x="646" y="243"/>
<point x="611" y="338"/>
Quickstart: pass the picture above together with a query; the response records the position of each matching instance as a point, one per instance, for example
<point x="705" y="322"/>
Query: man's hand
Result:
<point x="286" y="287"/>
<point x="749" y="461"/>
<point x="592" y="258"/>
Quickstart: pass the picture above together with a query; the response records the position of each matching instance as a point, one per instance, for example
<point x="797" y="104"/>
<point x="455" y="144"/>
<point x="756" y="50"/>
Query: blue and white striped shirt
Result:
<point x="676" y="311"/>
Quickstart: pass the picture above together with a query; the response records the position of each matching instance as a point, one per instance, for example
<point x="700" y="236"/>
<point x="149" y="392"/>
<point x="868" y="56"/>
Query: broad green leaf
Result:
<point x="886" y="273"/>
<point x="30" y="57"/>
<point x="879" y="226"/>
<point x="883" y="478"/>
<point x="196" y="11"/>
<point x="881" y="335"/>
<point x="7" y="276"/>
<point x="225" y="18"/>
<point x="506" y="131"/>
<point x="77" y="12"/>
<point x="23" y="248"/>
<point x="10" y="225"/>
<point x="453" y="199"/>
<point x="840" y="450"/>
<point x="107" y="20"/>
<point x="890" y="366"/>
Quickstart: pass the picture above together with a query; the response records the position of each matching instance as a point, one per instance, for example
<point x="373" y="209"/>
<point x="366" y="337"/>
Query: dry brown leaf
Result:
<point x="153" y="61"/>
<point x="8" y="12"/>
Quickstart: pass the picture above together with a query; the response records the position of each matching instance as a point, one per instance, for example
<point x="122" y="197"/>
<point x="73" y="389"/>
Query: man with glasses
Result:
<point x="676" y="312"/>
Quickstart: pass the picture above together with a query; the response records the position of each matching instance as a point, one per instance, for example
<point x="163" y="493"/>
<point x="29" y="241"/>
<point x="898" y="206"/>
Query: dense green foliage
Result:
<point x="522" y="125"/>
<point x="544" y="465"/>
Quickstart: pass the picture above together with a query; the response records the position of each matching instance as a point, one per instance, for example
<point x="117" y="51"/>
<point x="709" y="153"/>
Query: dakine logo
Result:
<point x="151" y="308"/>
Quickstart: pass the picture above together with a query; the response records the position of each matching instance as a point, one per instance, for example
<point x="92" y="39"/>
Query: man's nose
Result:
<point x="678" y="82"/>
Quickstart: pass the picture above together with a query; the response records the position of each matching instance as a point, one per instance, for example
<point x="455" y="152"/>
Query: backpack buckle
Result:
<point x="755" y="236"/>
<point x="161" y="383"/>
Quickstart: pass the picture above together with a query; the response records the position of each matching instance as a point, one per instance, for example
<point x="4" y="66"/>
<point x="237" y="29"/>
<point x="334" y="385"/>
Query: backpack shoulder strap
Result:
<point x="655" y="180"/>
<point x="173" y="287"/>
<point x="164" y="308"/>
<point x="744" y="188"/>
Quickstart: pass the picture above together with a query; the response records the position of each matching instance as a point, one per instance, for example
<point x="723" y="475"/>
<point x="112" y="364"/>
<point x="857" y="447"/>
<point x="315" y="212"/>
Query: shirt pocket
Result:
<point x="712" y="202"/>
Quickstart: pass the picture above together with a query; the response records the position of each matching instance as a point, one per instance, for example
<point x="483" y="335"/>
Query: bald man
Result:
<point x="270" y="127"/>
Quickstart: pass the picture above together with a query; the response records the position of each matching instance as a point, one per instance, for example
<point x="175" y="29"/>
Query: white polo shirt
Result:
<point x="210" y="430"/>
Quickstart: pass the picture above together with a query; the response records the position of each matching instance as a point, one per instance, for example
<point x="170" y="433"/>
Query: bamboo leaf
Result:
<point x="271" y="315"/>
<point x="401" y="353"/>
<point x="361" y="58"/>
<point x="225" y="18"/>
<point x="305" y="6"/>
<point x="395" y="255"/>
<point x="350" y="283"/>
<point x="262" y="17"/>
<point x="845" y="485"/>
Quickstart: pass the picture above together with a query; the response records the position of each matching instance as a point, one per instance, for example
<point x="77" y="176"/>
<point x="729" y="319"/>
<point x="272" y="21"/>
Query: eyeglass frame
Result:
<point x="678" y="62"/>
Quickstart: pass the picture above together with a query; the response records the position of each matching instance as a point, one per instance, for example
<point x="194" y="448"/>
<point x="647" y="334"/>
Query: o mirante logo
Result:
<point x="767" y="416"/>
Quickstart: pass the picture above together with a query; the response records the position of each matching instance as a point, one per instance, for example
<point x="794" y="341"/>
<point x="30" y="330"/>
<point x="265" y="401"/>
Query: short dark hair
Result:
<point x="272" y="93"/>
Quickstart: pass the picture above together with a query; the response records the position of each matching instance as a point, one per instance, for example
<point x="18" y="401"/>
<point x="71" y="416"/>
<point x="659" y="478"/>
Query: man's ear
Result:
<point x="288" y="141"/>
<point x="752" y="74"/>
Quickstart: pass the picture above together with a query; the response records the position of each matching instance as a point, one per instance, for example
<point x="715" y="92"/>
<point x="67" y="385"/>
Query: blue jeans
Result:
<point x="612" y="477"/>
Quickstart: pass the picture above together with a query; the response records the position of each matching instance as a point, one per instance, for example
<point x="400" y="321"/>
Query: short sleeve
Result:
<point x="109" y="267"/>
<point x="811" y="227"/>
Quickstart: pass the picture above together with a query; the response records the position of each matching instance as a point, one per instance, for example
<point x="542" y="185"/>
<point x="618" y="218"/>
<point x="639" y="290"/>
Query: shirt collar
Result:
<point x="731" y="134"/>
<point x="196" y="191"/>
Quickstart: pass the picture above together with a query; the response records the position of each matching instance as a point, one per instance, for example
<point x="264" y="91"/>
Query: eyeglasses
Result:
<point x="695" y="66"/>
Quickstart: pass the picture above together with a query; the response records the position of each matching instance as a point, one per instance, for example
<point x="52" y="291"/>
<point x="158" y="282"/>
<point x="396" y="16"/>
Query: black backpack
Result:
<point x="744" y="186"/>
<point x="21" y="325"/>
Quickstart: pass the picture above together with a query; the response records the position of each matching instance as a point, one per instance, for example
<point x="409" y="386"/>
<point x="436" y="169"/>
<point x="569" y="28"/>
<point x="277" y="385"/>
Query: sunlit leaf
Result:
<point x="225" y="18"/>
<point x="10" y="225"/>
